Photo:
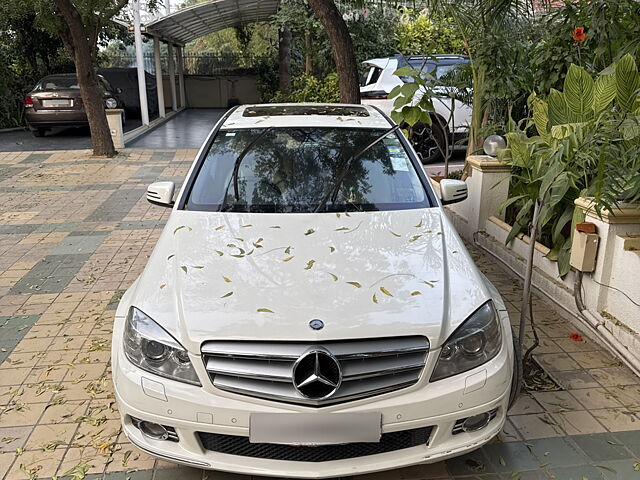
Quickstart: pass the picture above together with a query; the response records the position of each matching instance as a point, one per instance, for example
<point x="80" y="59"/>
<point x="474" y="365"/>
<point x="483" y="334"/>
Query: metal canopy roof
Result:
<point x="194" y="22"/>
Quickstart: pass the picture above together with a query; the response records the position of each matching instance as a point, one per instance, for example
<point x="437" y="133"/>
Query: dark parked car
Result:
<point x="56" y="102"/>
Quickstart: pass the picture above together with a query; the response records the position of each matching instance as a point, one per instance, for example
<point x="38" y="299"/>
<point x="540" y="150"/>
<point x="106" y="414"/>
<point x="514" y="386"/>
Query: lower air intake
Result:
<point x="389" y="442"/>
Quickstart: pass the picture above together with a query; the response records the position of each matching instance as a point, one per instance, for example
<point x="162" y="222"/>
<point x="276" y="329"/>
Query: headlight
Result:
<point x="475" y="342"/>
<point x="111" y="103"/>
<point x="148" y="346"/>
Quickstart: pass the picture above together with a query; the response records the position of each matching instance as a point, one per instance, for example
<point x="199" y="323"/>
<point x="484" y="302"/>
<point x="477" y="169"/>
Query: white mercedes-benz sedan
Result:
<point x="309" y="310"/>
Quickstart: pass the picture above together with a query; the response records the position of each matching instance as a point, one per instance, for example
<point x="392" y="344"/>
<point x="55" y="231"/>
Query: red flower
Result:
<point x="575" y="337"/>
<point x="579" y="35"/>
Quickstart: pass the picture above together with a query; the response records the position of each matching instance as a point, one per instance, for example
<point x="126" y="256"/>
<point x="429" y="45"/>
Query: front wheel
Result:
<point x="429" y="141"/>
<point x="516" y="378"/>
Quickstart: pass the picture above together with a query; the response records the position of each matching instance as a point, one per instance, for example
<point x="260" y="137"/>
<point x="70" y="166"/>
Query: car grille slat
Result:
<point x="389" y="442"/>
<point x="265" y="369"/>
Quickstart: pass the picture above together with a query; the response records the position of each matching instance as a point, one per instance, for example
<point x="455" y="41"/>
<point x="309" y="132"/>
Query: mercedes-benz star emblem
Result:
<point x="317" y="374"/>
<point x="316" y="324"/>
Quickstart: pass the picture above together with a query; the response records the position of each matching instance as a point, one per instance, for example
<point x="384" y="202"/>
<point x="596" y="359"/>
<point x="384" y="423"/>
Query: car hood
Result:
<point x="264" y="276"/>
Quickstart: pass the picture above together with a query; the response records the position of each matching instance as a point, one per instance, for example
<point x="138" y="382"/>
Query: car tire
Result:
<point x="429" y="141"/>
<point x="516" y="378"/>
<point x="39" y="132"/>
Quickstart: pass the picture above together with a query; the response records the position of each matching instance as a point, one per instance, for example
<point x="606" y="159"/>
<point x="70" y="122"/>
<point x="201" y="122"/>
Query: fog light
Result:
<point x="474" y="423"/>
<point x="153" y="430"/>
<point x="477" y="422"/>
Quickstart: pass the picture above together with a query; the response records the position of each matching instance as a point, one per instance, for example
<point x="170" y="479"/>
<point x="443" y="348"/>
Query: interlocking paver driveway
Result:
<point x="75" y="231"/>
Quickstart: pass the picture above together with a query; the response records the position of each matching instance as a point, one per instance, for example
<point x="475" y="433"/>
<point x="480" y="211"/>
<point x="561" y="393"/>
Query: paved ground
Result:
<point x="188" y="129"/>
<point x="75" y="231"/>
<point x="57" y="139"/>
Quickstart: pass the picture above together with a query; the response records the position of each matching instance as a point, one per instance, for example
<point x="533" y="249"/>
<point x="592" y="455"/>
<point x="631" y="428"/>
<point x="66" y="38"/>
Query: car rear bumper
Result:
<point x="61" y="118"/>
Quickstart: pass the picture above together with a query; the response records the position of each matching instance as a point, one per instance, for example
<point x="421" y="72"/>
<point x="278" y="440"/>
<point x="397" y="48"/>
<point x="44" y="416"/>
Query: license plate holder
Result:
<point x="57" y="102"/>
<point x="315" y="429"/>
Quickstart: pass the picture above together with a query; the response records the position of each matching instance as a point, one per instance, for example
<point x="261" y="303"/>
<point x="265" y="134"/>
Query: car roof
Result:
<point x="437" y="58"/>
<point x="315" y="115"/>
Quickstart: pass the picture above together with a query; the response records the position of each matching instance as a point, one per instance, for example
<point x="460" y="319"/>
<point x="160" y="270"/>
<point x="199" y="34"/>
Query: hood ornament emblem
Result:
<point x="317" y="374"/>
<point x="316" y="324"/>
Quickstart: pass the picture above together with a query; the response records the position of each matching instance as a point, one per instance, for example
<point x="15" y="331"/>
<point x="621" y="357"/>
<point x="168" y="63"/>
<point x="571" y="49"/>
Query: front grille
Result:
<point x="265" y="369"/>
<point x="389" y="442"/>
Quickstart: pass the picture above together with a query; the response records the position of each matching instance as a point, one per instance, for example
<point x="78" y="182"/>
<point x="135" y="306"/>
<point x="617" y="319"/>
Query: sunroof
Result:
<point x="280" y="110"/>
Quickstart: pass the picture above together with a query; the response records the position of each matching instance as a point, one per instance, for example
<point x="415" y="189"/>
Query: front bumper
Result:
<point x="190" y="409"/>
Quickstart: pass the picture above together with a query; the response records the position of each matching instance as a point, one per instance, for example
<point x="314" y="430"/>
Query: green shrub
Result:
<point x="307" y="88"/>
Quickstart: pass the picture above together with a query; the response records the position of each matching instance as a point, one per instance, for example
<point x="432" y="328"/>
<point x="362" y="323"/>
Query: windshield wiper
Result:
<point x="333" y="191"/>
<point x="236" y="169"/>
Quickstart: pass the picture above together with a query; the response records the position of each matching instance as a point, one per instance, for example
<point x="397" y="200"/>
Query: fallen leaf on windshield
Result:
<point x="264" y="310"/>
<point x="309" y="264"/>
<point x="287" y="250"/>
<point x="341" y="229"/>
<point x="228" y="294"/>
<point x="414" y="238"/>
<point x="415" y="292"/>
<point x="374" y="298"/>
<point x="355" y="284"/>
<point x="181" y="227"/>
<point x="227" y="279"/>
<point x="219" y="252"/>
<point x="184" y="268"/>
<point x="239" y="239"/>
<point x="332" y="249"/>
<point x="431" y="283"/>
<point x="275" y="226"/>
<point x="199" y="267"/>
<point x="162" y="286"/>
<point x="419" y="225"/>
<point x="335" y="277"/>
<point x="385" y="291"/>
<point x="170" y="256"/>
<point x="287" y="259"/>
<point x="394" y="233"/>
<point x="310" y="231"/>
<point x="219" y="228"/>
<point x="246" y="226"/>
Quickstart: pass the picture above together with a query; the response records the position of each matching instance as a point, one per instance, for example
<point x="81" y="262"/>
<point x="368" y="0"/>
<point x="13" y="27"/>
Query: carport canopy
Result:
<point x="183" y="26"/>
<point x="188" y="24"/>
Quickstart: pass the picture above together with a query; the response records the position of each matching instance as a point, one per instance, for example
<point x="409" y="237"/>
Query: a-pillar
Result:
<point x="159" y="82"/>
<point x="172" y="77"/>
<point x="183" y="96"/>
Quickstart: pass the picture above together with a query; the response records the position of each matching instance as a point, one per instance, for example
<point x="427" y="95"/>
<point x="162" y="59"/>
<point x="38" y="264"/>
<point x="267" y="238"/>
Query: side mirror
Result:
<point x="161" y="193"/>
<point x="452" y="191"/>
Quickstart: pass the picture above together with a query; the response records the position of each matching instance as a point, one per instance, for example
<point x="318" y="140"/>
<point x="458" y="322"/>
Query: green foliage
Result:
<point x="587" y="144"/>
<point x="307" y="88"/>
<point x="405" y="109"/>
<point x="420" y="33"/>
<point x="612" y="30"/>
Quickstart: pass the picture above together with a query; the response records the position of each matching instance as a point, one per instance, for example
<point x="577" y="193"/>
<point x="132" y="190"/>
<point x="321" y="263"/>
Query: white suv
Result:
<point x="309" y="311"/>
<point x="451" y="116"/>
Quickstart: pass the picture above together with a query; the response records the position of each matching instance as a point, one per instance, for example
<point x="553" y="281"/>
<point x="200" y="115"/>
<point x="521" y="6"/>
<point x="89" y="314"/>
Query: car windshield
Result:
<point x="59" y="83"/>
<point x="294" y="169"/>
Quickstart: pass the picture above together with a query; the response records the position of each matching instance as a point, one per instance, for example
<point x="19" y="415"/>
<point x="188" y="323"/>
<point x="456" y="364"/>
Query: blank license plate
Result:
<point x="57" y="103"/>
<point x="315" y="429"/>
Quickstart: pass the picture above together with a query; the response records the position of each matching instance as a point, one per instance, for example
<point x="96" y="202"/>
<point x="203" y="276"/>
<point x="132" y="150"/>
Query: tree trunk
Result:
<point x="284" y="60"/>
<point x="343" y="53"/>
<point x="308" y="53"/>
<point x="76" y="40"/>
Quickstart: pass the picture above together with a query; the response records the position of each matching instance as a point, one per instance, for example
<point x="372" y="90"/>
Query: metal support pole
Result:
<point x="159" y="82"/>
<point x="183" y="96"/>
<point x="172" y="78"/>
<point x="142" y="85"/>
